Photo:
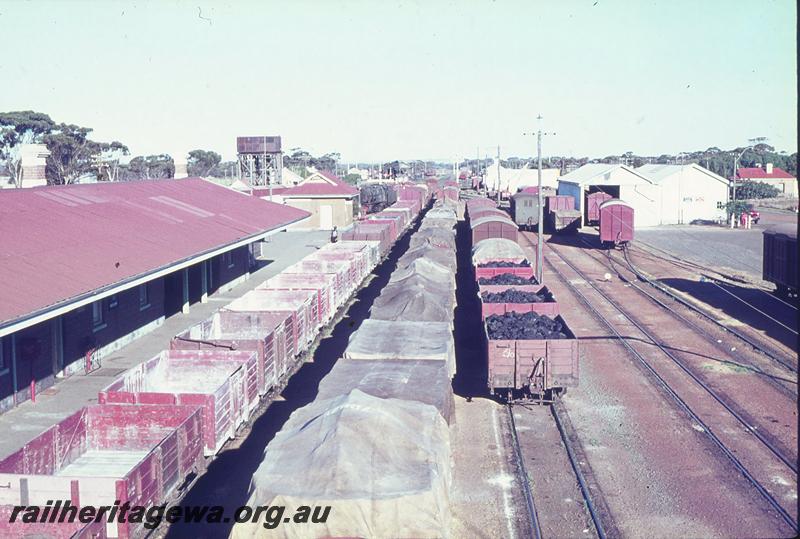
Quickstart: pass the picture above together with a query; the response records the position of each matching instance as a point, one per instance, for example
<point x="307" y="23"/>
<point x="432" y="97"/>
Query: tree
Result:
<point x="751" y="190"/>
<point x="17" y="128"/>
<point x="202" y="162"/>
<point x="150" y="167"/>
<point x="108" y="167"/>
<point x="73" y="154"/>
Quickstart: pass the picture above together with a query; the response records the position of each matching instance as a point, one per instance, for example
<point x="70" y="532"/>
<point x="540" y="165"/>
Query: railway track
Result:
<point x="785" y="323"/>
<point x="752" y="455"/>
<point x="591" y="513"/>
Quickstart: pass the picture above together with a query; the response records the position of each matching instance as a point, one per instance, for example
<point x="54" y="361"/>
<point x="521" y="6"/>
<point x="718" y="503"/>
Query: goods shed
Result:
<point x="688" y="193"/>
<point x="619" y="181"/>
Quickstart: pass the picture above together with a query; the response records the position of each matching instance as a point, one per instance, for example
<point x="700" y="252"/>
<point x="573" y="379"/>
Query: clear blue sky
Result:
<point x="379" y="80"/>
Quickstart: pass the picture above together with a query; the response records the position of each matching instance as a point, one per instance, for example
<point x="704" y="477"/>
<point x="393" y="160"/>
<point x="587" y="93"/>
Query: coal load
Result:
<point x="507" y="278"/>
<point x="523" y="326"/>
<point x="515" y="296"/>
<point x="505" y="264"/>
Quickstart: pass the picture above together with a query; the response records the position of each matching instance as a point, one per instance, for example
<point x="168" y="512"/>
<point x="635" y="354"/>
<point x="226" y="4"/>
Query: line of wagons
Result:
<point x="374" y="443"/>
<point x="614" y="216"/>
<point x="157" y="425"/>
<point x="530" y="350"/>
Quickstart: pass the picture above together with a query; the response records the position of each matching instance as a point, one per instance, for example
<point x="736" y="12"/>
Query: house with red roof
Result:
<point x="775" y="176"/>
<point x="88" y="268"/>
<point x="330" y="201"/>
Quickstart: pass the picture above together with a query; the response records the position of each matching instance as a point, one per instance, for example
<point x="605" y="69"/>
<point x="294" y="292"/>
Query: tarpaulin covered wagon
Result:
<point x="382" y="465"/>
<point x="223" y="383"/>
<point x="105" y="453"/>
<point x="270" y="335"/>
<point x="384" y="339"/>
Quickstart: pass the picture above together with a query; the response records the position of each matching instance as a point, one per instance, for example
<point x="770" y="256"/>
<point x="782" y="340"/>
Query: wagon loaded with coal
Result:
<point x="530" y="350"/>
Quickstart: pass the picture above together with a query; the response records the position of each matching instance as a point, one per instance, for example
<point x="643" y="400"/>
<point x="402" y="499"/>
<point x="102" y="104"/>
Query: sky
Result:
<point x="380" y="80"/>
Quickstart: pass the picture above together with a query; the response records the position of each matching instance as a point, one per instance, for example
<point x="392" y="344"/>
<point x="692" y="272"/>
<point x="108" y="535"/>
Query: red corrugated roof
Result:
<point x="321" y="184"/>
<point x="61" y="242"/>
<point x="760" y="173"/>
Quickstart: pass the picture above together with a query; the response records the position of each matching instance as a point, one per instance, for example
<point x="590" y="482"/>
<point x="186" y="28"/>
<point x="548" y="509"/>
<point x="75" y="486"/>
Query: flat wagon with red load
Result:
<point x="301" y="305"/>
<point x="223" y="383"/>
<point x="322" y="283"/>
<point x="105" y="453"/>
<point x="270" y="335"/>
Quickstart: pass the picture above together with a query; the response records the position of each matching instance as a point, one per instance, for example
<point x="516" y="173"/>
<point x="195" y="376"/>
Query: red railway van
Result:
<point x="593" y="202"/>
<point x="493" y="226"/>
<point x="616" y="222"/>
<point x="108" y="452"/>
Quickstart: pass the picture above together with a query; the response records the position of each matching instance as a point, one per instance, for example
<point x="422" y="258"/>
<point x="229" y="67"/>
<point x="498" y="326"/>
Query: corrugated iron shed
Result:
<point x="62" y="242"/>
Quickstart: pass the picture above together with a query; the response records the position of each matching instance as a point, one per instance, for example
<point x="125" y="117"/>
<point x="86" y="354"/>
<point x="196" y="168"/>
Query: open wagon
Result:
<point x="549" y="306"/>
<point x="340" y="269"/>
<point x="270" y="335"/>
<point x="531" y="367"/>
<point x="302" y="305"/>
<point x="108" y="452"/>
<point x="223" y="383"/>
<point x="322" y="283"/>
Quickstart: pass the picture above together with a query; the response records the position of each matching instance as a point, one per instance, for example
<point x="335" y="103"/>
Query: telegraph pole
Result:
<point x="498" y="174"/>
<point x="539" y="260"/>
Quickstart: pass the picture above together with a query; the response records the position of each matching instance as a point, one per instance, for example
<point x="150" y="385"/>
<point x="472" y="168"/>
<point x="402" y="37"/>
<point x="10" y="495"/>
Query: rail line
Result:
<point x="556" y="411"/>
<point x="688" y="264"/>
<point x="755" y="483"/>
<point x="772" y="354"/>
<point x="613" y="265"/>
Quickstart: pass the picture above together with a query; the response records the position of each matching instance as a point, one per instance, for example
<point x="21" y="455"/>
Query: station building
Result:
<point x="88" y="268"/>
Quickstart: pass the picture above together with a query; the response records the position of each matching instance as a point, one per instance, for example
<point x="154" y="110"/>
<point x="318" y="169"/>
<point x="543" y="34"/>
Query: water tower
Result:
<point x="260" y="160"/>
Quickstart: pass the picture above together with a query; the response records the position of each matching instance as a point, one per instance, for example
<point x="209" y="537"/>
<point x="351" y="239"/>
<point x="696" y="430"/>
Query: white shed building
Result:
<point x="688" y="192"/>
<point x="619" y="181"/>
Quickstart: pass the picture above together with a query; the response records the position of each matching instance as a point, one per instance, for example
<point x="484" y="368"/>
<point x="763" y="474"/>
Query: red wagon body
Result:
<point x="108" y="452"/>
<point x="270" y="335"/>
<point x="322" y="283"/>
<point x="536" y="366"/>
<point x="223" y="383"/>
<point x="549" y="308"/>
<point x="493" y="226"/>
<point x="593" y="202"/>
<point x="616" y="222"/>
<point x="303" y="305"/>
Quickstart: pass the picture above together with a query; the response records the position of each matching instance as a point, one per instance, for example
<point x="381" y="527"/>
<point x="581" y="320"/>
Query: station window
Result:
<point x="720" y="205"/>
<point x="98" y="321"/>
<point x="2" y="358"/>
<point x="144" y="296"/>
<point x="113" y="301"/>
<point x="227" y="259"/>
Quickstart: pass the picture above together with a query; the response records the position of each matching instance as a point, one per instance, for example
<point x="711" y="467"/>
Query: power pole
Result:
<point x="498" y="174"/>
<point x="539" y="260"/>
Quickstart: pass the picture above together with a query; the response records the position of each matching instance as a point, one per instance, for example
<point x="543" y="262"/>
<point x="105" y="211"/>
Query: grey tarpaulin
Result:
<point x="422" y="381"/>
<point x="497" y="249"/>
<point x="437" y="237"/>
<point x="383" y="465"/>
<point x="384" y="339"/>
<point x="414" y="300"/>
<point x="408" y="265"/>
<point x="424" y="258"/>
<point x="442" y="212"/>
